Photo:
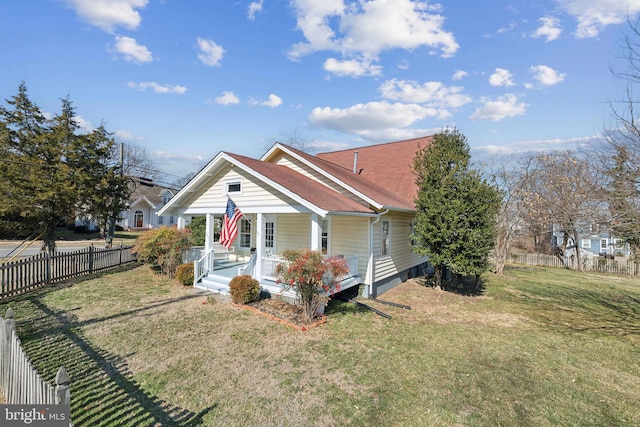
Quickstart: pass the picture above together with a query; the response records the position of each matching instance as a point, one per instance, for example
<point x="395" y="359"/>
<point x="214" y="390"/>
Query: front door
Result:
<point x="269" y="236"/>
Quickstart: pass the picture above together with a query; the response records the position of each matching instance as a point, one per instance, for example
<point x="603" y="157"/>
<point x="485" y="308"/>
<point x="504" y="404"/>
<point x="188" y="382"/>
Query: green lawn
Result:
<point x="540" y="347"/>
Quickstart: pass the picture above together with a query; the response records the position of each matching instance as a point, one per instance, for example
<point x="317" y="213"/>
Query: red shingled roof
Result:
<point x="389" y="166"/>
<point x="305" y="187"/>
<point x="360" y="183"/>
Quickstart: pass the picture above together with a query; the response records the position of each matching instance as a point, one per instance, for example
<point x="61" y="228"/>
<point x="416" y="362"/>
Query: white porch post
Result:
<point x="316" y="233"/>
<point x="182" y="221"/>
<point x="209" y="227"/>
<point x="259" y="245"/>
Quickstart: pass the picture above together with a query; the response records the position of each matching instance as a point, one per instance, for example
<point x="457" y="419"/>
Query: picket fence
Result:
<point x="596" y="264"/>
<point x="20" y="382"/>
<point x="40" y="270"/>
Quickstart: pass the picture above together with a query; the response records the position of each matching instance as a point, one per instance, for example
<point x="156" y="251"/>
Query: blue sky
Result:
<point x="187" y="79"/>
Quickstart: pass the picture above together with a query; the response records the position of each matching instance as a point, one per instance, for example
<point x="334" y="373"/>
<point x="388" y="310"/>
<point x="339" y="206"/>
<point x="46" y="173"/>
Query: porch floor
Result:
<point x="218" y="280"/>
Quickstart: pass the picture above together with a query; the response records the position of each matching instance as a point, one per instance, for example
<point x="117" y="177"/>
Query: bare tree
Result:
<point x="293" y="139"/>
<point x="510" y="177"/>
<point x="621" y="152"/>
<point x="562" y="191"/>
<point x="136" y="161"/>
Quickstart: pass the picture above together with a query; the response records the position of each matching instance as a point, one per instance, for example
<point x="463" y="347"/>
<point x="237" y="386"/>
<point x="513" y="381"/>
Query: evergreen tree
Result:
<point x="456" y="208"/>
<point x="51" y="172"/>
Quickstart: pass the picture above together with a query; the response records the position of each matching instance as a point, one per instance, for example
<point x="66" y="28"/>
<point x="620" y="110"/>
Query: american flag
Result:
<point x="230" y="224"/>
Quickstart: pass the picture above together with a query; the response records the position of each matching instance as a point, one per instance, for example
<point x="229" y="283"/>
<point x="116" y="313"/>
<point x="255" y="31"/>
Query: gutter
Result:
<point x="371" y="269"/>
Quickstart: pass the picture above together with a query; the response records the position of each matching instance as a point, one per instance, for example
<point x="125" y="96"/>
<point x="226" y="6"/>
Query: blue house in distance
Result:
<point x="594" y="240"/>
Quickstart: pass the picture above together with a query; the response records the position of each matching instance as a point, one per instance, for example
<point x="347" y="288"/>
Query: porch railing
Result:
<point x="269" y="266"/>
<point x="249" y="268"/>
<point x="202" y="266"/>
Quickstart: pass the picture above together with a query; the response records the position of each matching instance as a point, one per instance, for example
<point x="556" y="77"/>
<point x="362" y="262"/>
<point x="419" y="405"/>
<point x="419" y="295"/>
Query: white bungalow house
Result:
<point x="145" y="202"/>
<point x="357" y="203"/>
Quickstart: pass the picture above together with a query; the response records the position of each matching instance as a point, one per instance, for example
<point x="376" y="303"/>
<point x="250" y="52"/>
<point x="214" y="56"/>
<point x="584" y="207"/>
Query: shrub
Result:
<point x="311" y="277"/>
<point x="184" y="274"/>
<point x="198" y="227"/>
<point x="162" y="248"/>
<point x="244" y="289"/>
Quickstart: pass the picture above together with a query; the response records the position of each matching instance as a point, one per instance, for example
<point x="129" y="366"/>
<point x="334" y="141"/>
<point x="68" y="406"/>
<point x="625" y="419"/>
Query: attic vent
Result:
<point x="233" y="187"/>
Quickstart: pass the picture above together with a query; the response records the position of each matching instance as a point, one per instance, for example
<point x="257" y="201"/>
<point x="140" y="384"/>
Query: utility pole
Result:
<point x="112" y="221"/>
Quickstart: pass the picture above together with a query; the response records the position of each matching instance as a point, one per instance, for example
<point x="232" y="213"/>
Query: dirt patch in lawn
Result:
<point x="284" y="311"/>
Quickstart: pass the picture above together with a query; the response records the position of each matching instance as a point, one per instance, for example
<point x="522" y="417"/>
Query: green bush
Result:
<point x="162" y="248"/>
<point x="184" y="274"/>
<point x="198" y="227"/>
<point x="244" y="289"/>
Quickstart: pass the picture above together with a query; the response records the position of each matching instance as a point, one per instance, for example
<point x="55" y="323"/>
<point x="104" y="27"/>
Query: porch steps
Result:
<point x="218" y="285"/>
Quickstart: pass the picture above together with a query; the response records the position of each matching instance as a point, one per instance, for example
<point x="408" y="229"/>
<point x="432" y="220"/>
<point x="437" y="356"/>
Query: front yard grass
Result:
<point x="539" y="347"/>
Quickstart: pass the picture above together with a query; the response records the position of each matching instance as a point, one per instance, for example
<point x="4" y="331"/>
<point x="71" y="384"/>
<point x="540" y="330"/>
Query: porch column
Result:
<point x="316" y="233"/>
<point x="208" y="237"/>
<point x="257" y="272"/>
<point x="182" y="221"/>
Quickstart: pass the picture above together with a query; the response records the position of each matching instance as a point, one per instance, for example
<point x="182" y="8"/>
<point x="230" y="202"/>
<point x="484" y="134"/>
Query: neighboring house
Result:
<point x="593" y="241"/>
<point x="357" y="204"/>
<point x="145" y="202"/>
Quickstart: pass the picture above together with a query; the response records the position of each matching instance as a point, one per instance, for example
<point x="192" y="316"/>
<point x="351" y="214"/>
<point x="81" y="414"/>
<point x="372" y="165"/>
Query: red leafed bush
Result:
<point x="312" y="277"/>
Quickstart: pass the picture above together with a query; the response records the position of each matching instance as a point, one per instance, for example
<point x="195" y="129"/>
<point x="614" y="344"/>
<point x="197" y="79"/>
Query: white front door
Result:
<point x="269" y="234"/>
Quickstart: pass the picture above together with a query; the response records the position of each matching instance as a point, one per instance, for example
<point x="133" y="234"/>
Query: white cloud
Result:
<point x="83" y="124"/>
<point x="211" y="53"/>
<point x="434" y="94"/>
<point x="157" y="88"/>
<point x="273" y="101"/>
<point x="594" y="15"/>
<point x="546" y="76"/>
<point x="352" y="67"/>
<point x="501" y="77"/>
<point x="543" y="145"/>
<point x="227" y="98"/>
<point x="124" y="135"/>
<point x="131" y="50"/>
<point x="499" y="108"/>
<point x="366" y="28"/>
<point x="550" y="28"/>
<point x="254" y="7"/>
<point x="109" y="14"/>
<point x="363" y="119"/>
<point x="459" y="75"/>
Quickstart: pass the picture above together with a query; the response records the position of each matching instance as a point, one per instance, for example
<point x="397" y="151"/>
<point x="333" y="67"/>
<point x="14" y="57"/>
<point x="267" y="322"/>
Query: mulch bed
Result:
<point x="286" y="313"/>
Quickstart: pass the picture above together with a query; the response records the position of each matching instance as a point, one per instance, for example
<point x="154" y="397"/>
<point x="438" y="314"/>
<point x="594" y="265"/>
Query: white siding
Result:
<point x="293" y="231"/>
<point x="349" y="236"/>
<point x="401" y="256"/>
<point x="254" y="192"/>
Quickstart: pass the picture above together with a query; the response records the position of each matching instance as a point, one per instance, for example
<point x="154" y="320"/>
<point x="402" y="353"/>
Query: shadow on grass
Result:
<point x="103" y="390"/>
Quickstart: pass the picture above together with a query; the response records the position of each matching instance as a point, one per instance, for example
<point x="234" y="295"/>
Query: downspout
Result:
<point x="371" y="267"/>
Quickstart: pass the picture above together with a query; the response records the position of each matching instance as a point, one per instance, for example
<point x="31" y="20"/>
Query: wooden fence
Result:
<point x="19" y="380"/>
<point x="40" y="270"/>
<point x="597" y="264"/>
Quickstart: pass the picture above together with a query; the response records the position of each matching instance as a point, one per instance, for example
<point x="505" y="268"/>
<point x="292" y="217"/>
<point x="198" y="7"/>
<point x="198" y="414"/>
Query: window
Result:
<point x="138" y="219"/>
<point x="245" y="233"/>
<point x="385" y="237"/>
<point x="160" y="220"/>
<point x="603" y="245"/>
<point x="586" y="243"/>
<point x="231" y="187"/>
<point x="171" y="219"/>
<point x="324" y="237"/>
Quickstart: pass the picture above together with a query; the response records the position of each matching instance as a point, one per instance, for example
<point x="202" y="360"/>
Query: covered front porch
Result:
<point x="263" y="237"/>
<point x="214" y="269"/>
